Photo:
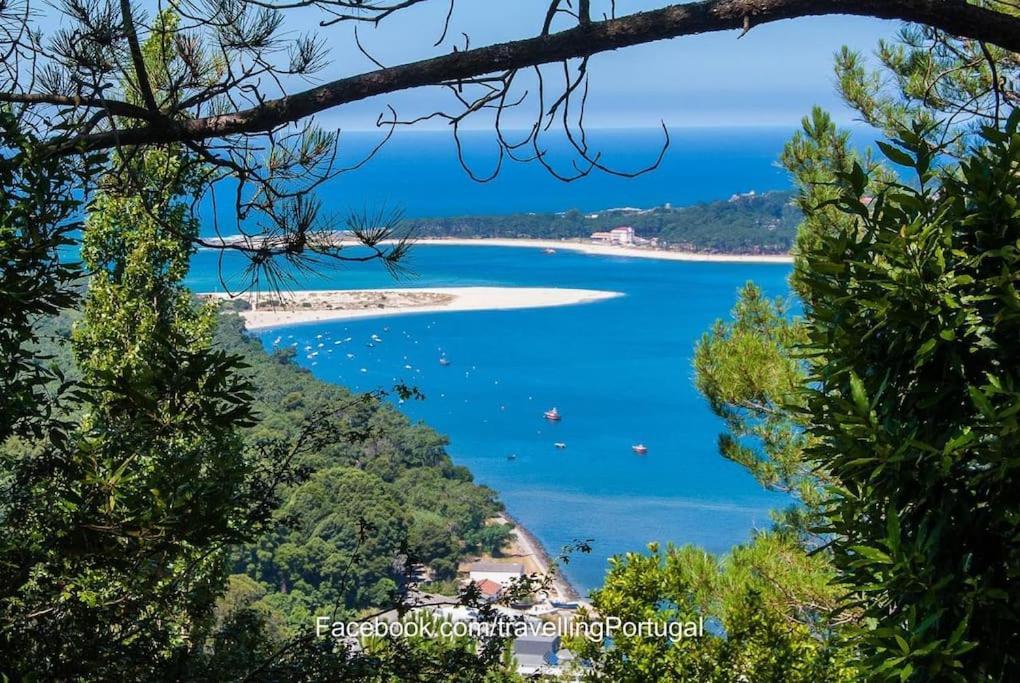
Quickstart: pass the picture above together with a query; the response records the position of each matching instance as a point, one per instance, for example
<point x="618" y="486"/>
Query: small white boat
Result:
<point x="553" y="415"/>
<point x="560" y="444"/>
<point x="444" y="361"/>
<point x="639" y="448"/>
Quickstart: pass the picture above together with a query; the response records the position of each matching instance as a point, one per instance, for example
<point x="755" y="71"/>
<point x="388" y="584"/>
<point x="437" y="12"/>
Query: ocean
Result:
<point x="619" y="371"/>
<point x="418" y="173"/>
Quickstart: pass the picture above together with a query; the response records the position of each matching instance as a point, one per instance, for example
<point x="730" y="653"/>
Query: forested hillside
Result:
<point x="382" y="495"/>
<point x="379" y="495"/>
<point x="764" y="223"/>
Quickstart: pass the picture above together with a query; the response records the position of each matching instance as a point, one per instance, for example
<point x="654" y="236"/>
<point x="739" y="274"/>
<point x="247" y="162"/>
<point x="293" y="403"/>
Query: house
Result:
<point x="490" y="589"/>
<point x="601" y="237"/>
<point x="498" y="572"/>
<point x="623" y="235"/>
<point x="536" y="654"/>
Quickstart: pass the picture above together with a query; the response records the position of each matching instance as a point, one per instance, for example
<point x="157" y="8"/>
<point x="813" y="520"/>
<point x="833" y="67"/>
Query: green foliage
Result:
<point x="116" y="531"/>
<point x="913" y="323"/>
<point x="764" y="223"/>
<point x="347" y="529"/>
<point x="36" y="208"/>
<point x="382" y="496"/>
<point x="765" y="609"/>
<point x="116" y="537"/>
<point x="949" y="86"/>
<point x="748" y="371"/>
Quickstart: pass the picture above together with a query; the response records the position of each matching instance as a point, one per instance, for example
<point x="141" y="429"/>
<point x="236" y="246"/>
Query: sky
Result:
<point x="770" y="77"/>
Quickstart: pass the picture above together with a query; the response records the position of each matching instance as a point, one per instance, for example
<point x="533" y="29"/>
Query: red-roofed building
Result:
<point x="489" y="588"/>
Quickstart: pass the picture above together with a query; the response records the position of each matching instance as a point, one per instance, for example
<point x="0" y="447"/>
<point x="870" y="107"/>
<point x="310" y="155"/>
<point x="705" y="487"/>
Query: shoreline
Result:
<point x="308" y="306"/>
<point x="526" y="545"/>
<point x="576" y="244"/>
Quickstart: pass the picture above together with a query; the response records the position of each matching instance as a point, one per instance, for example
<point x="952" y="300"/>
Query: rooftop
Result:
<point x="536" y="645"/>
<point x="486" y="566"/>
<point x="489" y="587"/>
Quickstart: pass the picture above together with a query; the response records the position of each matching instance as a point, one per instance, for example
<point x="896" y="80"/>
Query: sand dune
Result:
<point x="275" y="310"/>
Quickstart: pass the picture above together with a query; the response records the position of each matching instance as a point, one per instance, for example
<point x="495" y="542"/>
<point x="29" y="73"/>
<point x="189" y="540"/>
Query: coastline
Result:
<point x="307" y="306"/>
<point x="527" y="546"/>
<point x="603" y="249"/>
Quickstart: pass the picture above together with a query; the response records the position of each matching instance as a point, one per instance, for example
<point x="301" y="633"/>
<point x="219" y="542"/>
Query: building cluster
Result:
<point x="535" y="654"/>
<point x="623" y="236"/>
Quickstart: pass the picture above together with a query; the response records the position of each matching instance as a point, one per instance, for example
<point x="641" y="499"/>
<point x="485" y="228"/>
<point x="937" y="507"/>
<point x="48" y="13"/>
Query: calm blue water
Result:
<point x="619" y="371"/>
<point x="418" y="173"/>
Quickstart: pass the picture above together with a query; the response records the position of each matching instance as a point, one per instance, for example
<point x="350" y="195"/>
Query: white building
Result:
<point x="623" y="235"/>
<point x="500" y="572"/>
<point x="535" y="655"/>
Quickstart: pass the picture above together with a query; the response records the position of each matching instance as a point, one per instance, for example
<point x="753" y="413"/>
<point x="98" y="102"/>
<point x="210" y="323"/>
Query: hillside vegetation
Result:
<point x="378" y="495"/>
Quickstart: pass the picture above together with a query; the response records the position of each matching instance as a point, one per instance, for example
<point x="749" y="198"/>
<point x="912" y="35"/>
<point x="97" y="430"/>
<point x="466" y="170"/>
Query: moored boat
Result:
<point x="553" y="415"/>
<point x="560" y="444"/>
<point x="639" y="448"/>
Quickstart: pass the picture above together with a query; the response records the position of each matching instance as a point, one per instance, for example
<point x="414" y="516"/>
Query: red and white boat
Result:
<point x="639" y="448"/>
<point x="553" y="415"/>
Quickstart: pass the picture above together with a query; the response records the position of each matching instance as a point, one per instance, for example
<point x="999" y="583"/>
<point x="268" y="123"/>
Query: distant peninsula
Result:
<point x="744" y="224"/>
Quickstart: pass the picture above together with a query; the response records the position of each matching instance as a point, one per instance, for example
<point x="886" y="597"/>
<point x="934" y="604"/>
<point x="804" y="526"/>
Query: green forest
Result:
<point x="378" y="496"/>
<point x="745" y="224"/>
<point x="404" y="502"/>
<point x="177" y="503"/>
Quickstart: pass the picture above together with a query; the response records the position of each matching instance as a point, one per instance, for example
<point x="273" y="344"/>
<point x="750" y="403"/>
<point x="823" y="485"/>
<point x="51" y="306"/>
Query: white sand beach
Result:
<point x="605" y="249"/>
<point x="274" y="310"/>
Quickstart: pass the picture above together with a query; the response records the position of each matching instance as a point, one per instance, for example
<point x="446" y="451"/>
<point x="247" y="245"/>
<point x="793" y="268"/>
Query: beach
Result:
<point x="526" y="550"/>
<point x="269" y="310"/>
<point x="536" y="559"/>
<point x="588" y="247"/>
<point x="581" y="245"/>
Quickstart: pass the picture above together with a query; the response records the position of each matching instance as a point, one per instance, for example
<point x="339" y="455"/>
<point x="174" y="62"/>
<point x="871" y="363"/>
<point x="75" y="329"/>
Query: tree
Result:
<point x="760" y="371"/>
<point x="747" y="370"/>
<point x="36" y="221"/>
<point x="913" y="399"/>
<point x="116" y="532"/>
<point x="765" y="611"/>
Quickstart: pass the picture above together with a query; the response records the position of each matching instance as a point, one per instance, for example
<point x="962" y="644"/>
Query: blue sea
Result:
<point x="419" y="174"/>
<point x="619" y="370"/>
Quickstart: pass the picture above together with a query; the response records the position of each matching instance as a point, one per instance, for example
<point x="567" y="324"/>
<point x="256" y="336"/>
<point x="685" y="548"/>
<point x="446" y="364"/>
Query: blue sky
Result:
<point x="772" y="76"/>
